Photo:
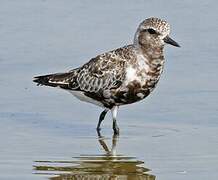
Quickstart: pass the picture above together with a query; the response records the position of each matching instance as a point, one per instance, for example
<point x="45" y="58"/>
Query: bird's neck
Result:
<point x="154" y="61"/>
<point x="151" y="52"/>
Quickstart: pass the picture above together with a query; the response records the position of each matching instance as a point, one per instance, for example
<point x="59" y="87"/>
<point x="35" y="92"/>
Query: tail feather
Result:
<point x="43" y="80"/>
<point x="54" y="80"/>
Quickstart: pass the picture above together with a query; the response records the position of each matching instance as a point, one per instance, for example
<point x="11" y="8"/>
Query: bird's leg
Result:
<point x="115" y="127"/>
<point x="114" y="116"/>
<point x="101" y="118"/>
<point x="114" y="144"/>
<point x="102" y="141"/>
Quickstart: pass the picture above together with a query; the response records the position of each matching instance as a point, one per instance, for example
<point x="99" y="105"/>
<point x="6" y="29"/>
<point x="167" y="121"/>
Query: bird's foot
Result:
<point x="98" y="129"/>
<point x="116" y="130"/>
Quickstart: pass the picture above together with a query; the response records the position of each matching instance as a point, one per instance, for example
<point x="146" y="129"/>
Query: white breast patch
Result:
<point x="130" y="74"/>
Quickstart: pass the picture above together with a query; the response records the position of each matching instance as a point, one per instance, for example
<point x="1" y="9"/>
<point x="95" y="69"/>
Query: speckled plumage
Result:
<point x="122" y="76"/>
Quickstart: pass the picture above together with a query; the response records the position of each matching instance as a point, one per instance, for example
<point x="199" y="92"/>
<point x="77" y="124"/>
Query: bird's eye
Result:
<point x="151" y="31"/>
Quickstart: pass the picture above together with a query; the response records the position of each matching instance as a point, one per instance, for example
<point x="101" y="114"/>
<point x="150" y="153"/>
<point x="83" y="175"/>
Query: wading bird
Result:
<point x="121" y="76"/>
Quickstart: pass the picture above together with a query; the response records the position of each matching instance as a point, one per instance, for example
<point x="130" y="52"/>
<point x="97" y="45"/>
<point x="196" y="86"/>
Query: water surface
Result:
<point x="171" y="135"/>
<point x="108" y="165"/>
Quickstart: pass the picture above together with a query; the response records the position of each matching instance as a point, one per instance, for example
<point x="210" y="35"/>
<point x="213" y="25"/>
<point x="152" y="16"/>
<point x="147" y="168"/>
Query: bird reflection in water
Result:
<point x="108" y="166"/>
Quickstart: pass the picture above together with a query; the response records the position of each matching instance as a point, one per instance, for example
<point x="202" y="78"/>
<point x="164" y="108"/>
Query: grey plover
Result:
<point x="121" y="76"/>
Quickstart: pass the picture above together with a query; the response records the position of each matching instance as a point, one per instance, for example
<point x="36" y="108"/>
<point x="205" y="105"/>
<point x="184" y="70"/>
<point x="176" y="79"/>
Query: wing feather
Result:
<point x="103" y="72"/>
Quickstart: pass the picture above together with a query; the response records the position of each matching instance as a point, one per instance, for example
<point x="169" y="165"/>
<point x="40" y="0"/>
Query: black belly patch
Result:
<point x="132" y="93"/>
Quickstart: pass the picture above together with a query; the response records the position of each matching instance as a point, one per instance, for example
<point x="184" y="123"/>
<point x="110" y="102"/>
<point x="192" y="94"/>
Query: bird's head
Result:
<point x="154" y="32"/>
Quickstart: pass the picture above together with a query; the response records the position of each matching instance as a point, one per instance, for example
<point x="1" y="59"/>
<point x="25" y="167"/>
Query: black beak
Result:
<point x="168" y="40"/>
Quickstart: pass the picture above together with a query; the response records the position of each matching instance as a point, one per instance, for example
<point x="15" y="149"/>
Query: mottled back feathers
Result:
<point x="106" y="71"/>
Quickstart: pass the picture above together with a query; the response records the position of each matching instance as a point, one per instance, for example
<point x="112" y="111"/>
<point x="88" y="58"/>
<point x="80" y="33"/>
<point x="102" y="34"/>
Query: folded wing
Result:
<point x="103" y="72"/>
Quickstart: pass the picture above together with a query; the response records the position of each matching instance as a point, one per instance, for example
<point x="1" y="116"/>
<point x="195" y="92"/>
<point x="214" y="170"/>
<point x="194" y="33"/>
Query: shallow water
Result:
<point x="108" y="165"/>
<point x="46" y="133"/>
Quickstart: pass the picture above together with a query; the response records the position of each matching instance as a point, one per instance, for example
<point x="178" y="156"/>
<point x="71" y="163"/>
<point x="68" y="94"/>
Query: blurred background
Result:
<point x="174" y="130"/>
